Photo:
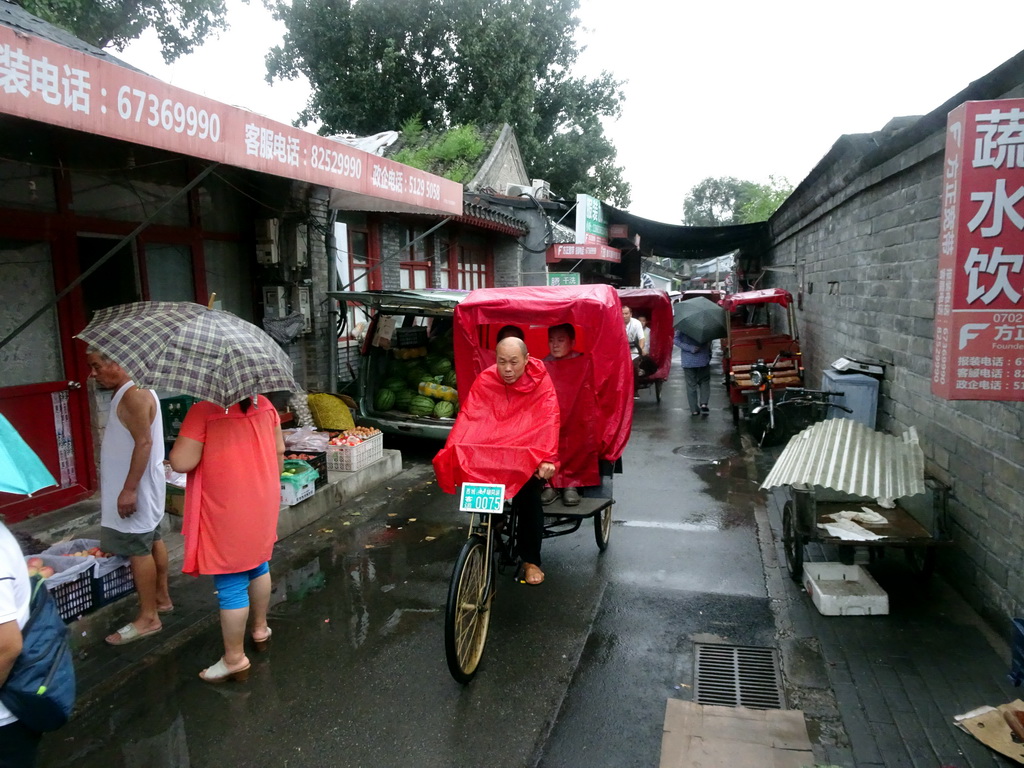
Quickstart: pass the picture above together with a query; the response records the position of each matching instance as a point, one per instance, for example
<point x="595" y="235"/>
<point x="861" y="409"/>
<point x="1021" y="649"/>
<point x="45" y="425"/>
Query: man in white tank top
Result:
<point x="132" y="492"/>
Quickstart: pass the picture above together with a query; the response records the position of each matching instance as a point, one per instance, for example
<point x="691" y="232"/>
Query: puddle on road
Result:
<point x="366" y="590"/>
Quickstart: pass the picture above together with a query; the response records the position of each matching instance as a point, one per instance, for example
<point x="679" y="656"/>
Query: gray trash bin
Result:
<point x="860" y="395"/>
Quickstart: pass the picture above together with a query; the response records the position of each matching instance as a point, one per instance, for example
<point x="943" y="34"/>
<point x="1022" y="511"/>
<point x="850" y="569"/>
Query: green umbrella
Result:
<point x="21" y="471"/>
<point x="700" y="319"/>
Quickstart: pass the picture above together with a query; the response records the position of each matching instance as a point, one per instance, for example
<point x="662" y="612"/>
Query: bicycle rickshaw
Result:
<point x="656" y="306"/>
<point x="595" y="403"/>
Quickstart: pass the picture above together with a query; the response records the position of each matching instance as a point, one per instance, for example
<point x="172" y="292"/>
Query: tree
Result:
<point x="716" y="202"/>
<point x="374" y="64"/>
<point x="181" y="25"/>
<point x="765" y="199"/>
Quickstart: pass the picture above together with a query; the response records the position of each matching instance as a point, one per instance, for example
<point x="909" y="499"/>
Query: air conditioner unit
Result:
<point x="541" y="189"/>
<point x="515" y="190"/>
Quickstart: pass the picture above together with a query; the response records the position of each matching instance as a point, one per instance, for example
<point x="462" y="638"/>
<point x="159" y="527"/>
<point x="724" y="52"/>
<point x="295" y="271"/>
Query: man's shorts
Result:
<point x="128" y="544"/>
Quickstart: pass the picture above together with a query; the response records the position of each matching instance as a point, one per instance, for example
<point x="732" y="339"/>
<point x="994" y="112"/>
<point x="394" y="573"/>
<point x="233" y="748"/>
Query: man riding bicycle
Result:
<point x="507" y="432"/>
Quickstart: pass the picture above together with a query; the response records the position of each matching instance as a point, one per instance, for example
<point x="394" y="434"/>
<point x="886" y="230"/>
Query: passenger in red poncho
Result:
<point x="507" y="432"/>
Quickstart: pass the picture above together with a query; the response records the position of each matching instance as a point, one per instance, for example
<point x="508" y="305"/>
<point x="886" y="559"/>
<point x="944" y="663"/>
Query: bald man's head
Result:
<point x="511" y="358"/>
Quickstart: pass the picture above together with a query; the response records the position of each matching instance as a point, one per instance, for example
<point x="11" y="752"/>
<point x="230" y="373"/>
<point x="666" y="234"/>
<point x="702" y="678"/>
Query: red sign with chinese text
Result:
<point x="978" y="352"/>
<point x="563" y="251"/>
<point x="47" y="82"/>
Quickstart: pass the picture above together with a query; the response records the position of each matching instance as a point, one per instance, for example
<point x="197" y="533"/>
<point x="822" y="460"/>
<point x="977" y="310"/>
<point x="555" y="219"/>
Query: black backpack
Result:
<point x="40" y="689"/>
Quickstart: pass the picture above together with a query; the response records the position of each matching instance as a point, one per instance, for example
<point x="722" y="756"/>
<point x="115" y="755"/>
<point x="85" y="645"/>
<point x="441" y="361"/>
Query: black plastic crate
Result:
<point x="411" y="337"/>
<point x="74" y="598"/>
<point x="317" y="462"/>
<point x="113" y="585"/>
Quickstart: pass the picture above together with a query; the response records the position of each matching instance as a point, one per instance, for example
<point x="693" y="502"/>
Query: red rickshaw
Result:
<point x="656" y="306"/>
<point x="595" y="405"/>
<point x="752" y="337"/>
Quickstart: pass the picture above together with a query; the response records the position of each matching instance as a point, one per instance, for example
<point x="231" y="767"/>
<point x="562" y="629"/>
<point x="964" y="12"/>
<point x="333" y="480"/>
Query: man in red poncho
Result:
<point x="507" y="432"/>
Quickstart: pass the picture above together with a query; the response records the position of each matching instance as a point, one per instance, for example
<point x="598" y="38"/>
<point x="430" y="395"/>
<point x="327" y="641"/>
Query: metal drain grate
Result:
<point x="737" y="676"/>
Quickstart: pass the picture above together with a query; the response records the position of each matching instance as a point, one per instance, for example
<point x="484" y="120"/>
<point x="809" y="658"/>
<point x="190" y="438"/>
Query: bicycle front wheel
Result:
<point x="468" y="611"/>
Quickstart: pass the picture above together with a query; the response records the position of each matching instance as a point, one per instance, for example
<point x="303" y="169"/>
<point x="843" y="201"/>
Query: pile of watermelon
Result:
<point x="420" y="385"/>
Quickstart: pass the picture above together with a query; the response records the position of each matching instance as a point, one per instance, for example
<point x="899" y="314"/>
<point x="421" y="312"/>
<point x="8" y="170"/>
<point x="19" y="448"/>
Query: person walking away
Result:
<point x="696" y="361"/>
<point x="18" y="743"/>
<point x="513" y="406"/>
<point x="132" y="493"/>
<point x="233" y="458"/>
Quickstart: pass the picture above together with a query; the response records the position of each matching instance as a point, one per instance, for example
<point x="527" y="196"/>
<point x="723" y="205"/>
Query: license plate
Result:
<point x="484" y="498"/>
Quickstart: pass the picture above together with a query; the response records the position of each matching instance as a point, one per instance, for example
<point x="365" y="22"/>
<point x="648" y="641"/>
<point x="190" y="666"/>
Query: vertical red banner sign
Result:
<point x="979" y="308"/>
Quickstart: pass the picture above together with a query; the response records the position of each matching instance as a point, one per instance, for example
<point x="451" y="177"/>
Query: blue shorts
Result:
<point x="233" y="588"/>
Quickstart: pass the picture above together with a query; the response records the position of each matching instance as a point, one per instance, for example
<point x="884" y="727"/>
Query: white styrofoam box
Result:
<point x="844" y="590"/>
<point x="290" y="495"/>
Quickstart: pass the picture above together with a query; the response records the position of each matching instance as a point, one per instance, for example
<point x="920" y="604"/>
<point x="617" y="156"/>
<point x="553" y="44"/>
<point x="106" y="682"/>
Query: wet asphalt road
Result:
<point x="575" y="673"/>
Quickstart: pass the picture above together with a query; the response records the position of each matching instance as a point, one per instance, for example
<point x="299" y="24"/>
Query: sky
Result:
<point x="743" y="88"/>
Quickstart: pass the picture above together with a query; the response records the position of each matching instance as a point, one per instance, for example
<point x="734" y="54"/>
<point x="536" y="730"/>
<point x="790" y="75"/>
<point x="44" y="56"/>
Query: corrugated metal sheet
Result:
<point x="847" y="456"/>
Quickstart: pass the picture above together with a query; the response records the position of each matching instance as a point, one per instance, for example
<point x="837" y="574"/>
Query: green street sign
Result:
<point x="485" y="498"/>
<point x="563" y="278"/>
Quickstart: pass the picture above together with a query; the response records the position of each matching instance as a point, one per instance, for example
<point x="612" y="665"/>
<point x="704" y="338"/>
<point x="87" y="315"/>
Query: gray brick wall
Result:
<point x="871" y="235"/>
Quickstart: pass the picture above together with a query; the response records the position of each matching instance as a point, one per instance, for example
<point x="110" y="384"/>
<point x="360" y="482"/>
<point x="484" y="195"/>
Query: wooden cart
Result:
<point x="918" y="524"/>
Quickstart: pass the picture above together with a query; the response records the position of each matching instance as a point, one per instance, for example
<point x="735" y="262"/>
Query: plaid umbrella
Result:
<point x="21" y="471"/>
<point x="187" y="348"/>
<point x="700" y="319"/>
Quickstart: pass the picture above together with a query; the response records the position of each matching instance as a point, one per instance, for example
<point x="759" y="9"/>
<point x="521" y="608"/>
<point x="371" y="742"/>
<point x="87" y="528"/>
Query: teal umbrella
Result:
<point x="21" y="471"/>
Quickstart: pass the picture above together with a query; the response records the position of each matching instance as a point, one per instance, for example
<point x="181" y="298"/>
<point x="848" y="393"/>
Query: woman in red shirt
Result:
<point x="234" y="458"/>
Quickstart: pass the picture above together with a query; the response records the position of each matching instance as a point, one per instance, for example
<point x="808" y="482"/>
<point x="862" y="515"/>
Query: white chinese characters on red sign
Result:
<point x="562" y="251"/>
<point x="43" y="81"/>
<point x="979" y="309"/>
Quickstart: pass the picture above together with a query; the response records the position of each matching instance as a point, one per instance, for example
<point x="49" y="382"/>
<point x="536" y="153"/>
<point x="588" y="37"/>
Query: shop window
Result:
<point x="417" y="268"/>
<point x="229" y="275"/>
<point x="223" y="205"/>
<point x="125" y="182"/>
<point x="116" y="281"/>
<point x="26" y="172"/>
<point x="34" y="354"/>
<point x="169" y="272"/>
<point x="474" y="268"/>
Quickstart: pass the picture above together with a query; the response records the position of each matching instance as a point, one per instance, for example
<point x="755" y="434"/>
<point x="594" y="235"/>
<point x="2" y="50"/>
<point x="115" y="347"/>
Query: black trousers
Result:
<point x="530" y="520"/>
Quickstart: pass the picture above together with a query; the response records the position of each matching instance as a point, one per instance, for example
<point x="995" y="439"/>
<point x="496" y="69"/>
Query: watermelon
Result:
<point x="449" y="379"/>
<point x="440" y="366"/>
<point x="421" y="406"/>
<point x="444" y="410"/>
<point x="415" y="373"/>
<point x="394" y="383"/>
<point x="385" y="400"/>
<point x="403" y="398"/>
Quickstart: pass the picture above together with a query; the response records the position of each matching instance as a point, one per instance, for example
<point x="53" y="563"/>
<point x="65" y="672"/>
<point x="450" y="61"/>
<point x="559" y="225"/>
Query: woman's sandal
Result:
<point x="219" y="673"/>
<point x="532" y="574"/>
<point x="262" y="645"/>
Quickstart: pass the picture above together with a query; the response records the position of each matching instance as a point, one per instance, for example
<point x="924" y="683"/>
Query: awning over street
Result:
<point x="56" y="85"/>
<point x="676" y="241"/>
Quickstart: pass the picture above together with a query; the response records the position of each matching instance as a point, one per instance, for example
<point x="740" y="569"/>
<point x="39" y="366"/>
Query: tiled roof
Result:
<point x="481" y="215"/>
<point x="20" y="20"/>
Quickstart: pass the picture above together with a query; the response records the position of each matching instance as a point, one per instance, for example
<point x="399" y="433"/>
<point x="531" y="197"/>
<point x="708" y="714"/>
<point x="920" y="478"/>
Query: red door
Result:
<point x="51" y="416"/>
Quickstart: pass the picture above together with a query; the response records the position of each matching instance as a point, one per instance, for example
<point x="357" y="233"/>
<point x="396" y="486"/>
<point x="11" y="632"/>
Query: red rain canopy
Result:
<point x="765" y="296"/>
<point x="503" y="431"/>
<point x="657" y="307"/>
<point x="594" y="390"/>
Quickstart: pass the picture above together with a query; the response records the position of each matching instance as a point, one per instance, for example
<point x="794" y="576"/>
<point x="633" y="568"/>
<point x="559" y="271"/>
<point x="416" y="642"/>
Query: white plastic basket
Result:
<point x="351" y="458"/>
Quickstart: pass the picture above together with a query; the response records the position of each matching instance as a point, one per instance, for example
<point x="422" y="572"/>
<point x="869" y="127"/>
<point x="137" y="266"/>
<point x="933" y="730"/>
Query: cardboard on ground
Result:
<point x="698" y="736"/>
<point x="988" y="726"/>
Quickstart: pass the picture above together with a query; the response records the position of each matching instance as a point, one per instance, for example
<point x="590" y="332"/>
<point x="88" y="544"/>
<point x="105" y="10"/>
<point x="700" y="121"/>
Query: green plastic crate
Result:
<point x="173" y="410"/>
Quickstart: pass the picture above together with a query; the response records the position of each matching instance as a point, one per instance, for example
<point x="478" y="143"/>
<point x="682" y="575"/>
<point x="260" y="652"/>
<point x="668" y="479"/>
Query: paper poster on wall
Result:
<point x="65" y="443"/>
<point x="978" y="351"/>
